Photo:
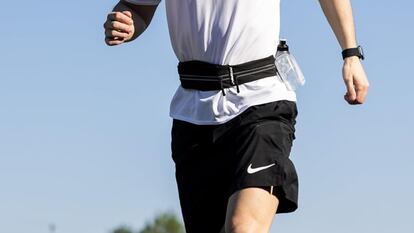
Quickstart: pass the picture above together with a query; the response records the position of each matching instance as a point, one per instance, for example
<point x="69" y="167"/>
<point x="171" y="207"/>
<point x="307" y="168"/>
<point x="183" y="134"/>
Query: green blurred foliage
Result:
<point x="123" y="229"/>
<point x="163" y="223"/>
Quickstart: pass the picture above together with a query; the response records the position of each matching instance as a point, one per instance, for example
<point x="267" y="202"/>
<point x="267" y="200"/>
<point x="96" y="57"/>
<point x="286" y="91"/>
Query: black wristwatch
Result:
<point x="353" y="52"/>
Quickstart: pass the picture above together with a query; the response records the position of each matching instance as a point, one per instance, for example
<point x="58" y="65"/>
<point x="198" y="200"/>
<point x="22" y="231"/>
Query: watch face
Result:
<point x="361" y="52"/>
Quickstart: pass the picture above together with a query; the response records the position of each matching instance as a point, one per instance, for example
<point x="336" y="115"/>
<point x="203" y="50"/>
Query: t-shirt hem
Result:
<point x="218" y="122"/>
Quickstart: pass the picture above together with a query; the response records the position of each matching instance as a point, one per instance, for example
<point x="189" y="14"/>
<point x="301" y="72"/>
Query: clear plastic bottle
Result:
<point x="288" y="68"/>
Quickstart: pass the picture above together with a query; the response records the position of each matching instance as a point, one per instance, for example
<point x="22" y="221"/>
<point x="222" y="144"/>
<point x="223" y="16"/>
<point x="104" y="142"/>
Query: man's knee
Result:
<point x="245" y="224"/>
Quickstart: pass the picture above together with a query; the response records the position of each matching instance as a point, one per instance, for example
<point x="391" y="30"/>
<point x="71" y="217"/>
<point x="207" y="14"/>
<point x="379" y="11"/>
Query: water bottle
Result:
<point x="287" y="67"/>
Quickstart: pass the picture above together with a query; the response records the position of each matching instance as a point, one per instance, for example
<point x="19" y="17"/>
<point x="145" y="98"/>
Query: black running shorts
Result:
<point x="214" y="161"/>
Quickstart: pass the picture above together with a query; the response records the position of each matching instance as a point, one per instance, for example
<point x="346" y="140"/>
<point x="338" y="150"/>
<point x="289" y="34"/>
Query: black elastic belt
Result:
<point x="206" y="76"/>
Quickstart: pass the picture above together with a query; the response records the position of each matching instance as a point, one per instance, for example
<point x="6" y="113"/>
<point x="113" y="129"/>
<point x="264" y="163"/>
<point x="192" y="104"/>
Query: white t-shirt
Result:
<point x="225" y="32"/>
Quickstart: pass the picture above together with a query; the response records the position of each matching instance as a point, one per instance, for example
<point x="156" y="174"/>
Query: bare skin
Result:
<point x="252" y="210"/>
<point x="119" y="27"/>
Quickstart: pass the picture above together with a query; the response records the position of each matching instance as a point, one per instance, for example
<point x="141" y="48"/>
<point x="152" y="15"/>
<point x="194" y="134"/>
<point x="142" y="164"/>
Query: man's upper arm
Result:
<point x="144" y="8"/>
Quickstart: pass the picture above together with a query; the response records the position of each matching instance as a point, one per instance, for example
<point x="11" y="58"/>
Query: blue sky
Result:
<point x="85" y="131"/>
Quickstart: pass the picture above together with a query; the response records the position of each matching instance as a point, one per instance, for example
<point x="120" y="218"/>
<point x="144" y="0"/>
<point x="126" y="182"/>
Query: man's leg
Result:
<point x="261" y="146"/>
<point x="250" y="210"/>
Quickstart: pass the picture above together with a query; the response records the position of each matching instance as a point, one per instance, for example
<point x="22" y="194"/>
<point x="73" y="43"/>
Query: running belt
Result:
<point x="206" y="76"/>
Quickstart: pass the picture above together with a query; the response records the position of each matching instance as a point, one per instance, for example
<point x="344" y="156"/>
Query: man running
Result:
<point x="233" y="117"/>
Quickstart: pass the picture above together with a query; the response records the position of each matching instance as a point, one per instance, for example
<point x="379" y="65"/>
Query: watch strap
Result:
<point x="353" y="52"/>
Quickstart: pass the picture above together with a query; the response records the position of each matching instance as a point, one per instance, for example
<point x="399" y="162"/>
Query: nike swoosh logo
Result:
<point x="251" y="170"/>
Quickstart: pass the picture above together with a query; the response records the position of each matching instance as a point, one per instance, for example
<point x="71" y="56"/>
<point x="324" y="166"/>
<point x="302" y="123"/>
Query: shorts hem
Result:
<point x="288" y="199"/>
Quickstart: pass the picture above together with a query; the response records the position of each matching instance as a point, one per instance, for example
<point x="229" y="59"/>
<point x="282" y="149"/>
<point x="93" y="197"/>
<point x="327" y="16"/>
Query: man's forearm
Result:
<point x="141" y="15"/>
<point x="339" y="15"/>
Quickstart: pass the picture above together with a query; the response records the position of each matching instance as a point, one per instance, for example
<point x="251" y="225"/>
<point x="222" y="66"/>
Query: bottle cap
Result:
<point x="283" y="45"/>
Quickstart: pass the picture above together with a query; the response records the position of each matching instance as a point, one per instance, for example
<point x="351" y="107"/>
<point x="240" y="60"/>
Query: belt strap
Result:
<point x="206" y="76"/>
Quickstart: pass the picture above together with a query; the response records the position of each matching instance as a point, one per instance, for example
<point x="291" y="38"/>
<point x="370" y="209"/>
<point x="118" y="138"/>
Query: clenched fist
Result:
<point x="356" y="81"/>
<point x="119" y="27"/>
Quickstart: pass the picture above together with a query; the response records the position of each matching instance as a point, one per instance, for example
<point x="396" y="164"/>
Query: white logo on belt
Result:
<point x="251" y="170"/>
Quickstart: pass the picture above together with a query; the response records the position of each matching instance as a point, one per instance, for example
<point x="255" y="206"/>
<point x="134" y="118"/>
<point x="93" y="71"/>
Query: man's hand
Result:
<point x="119" y="27"/>
<point x="355" y="80"/>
